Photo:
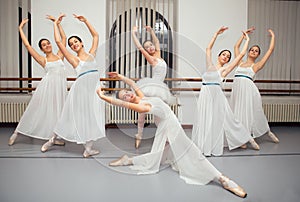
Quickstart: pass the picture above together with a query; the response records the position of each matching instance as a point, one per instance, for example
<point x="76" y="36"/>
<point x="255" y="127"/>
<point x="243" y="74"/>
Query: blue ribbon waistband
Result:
<point x="89" y="71"/>
<point x="210" y="84"/>
<point x="241" y="75"/>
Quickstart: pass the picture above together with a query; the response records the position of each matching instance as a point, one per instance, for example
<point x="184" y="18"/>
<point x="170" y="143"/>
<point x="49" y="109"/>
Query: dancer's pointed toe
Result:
<point x="231" y="186"/>
<point x="123" y="161"/>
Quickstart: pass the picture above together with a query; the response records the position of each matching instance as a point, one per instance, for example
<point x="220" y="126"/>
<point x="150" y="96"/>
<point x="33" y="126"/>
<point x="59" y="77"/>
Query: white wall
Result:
<point x="197" y="22"/>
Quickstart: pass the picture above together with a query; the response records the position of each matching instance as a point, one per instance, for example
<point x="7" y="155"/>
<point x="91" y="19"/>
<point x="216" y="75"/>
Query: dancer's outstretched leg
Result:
<point x="231" y="186"/>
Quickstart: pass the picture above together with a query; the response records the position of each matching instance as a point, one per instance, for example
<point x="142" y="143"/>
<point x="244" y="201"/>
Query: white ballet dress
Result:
<point x="214" y="119"/>
<point x="46" y="104"/>
<point x="187" y="159"/>
<point x="155" y="86"/>
<point x="83" y="116"/>
<point x="159" y="70"/>
<point x="246" y="102"/>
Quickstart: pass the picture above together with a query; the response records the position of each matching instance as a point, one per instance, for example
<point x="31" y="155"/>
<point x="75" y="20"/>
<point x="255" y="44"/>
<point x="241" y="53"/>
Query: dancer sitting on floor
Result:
<point x="181" y="152"/>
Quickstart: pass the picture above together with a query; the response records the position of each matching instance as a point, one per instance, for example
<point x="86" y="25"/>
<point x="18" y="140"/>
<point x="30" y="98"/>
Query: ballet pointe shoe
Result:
<point x="59" y="142"/>
<point x="138" y="140"/>
<point x="254" y="145"/>
<point x="92" y="152"/>
<point x="47" y="145"/>
<point x="123" y="161"/>
<point x="273" y="137"/>
<point x="231" y="186"/>
<point x="244" y="146"/>
<point x="12" y="139"/>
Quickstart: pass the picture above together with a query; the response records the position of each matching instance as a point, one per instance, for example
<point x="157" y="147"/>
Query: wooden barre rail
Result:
<point x="167" y="79"/>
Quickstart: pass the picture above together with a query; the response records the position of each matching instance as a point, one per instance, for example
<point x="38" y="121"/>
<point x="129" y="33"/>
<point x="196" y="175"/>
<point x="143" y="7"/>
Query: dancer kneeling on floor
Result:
<point x="184" y="156"/>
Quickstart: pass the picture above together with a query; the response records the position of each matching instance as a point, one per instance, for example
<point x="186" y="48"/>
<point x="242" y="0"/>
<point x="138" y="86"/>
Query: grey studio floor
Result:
<point x="62" y="174"/>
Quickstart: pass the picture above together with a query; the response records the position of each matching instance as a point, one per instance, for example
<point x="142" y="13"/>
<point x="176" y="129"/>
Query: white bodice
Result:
<point x="246" y="71"/>
<point x="212" y="77"/>
<point x="158" y="107"/>
<point x="160" y="70"/>
<point x="85" y="66"/>
<point x="57" y="67"/>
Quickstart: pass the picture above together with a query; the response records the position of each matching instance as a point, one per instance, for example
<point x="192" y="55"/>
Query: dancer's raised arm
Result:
<point x="72" y="59"/>
<point x="128" y="81"/>
<point x="259" y="65"/>
<point x="238" y="58"/>
<point x="93" y="32"/>
<point x="240" y="40"/>
<point x="148" y="49"/>
<point x="138" y="107"/>
<point x="37" y="57"/>
<point x="154" y="40"/>
<point x="62" y="34"/>
<point x="211" y="44"/>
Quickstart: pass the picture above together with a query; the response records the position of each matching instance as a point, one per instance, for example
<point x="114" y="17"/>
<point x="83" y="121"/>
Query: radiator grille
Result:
<point x="11" y="112"/>
<point x="282" y="112"/>
<point x="121" y="115"/>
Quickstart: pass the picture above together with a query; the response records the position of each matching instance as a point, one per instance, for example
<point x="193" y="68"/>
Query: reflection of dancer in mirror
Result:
<point x="184" y="156"/>
<point x="49" y="96"/>
<point x="214" y="119"/>
<point x="245" y="98"/>
<point x="151" y="51"/>
<point x="82" y="119"/>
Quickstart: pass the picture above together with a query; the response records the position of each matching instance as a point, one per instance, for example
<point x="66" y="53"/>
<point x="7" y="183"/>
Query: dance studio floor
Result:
<point x="62" y="174"/>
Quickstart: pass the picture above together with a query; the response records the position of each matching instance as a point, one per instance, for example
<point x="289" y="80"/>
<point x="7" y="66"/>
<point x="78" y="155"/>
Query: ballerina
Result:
<point x="82" y="120"/>
<point x="50" y="94"/>
<point x="151" y="51"/>
<point x="214" y="119"/>
<point x="245" y="98"/>
<point x="184" y="155"/>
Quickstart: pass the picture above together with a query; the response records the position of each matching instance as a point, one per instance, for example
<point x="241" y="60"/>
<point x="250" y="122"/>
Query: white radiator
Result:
<point x="275" y="112"/>
<point x="282" y="112"/>
<point x="11" y="112"/>
<point x="121" y="115"/>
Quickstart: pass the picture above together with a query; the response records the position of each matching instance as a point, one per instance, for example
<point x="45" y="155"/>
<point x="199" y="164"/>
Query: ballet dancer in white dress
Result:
<point x="47" y="101"/>
<point x="245" y="98"/>
<point x="82" y="119"/>
<point x="151" y="51"/>
<point x="214" y="121"/>
<point x="185" y="157"/>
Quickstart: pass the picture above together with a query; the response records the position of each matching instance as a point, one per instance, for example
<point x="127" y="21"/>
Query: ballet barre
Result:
<point x="287" y="91"/>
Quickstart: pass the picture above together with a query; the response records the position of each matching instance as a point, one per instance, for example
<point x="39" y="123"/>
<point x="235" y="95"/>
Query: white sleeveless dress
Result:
<point x="155" y="86"/>
<point x="160" y="70"/>
<point x="246" y="102"/>
<point x="46" y="104"/>
<point x="83" y="116"/>
<point x="214" y="119"/>
<point x="192" y="166"/>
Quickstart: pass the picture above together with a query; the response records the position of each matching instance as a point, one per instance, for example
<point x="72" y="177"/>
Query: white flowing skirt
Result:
<point x="156" y="88"/>
<point x="45" y="107"/>
<point x="246" y="105"/>
<point x="214" y="119"/>
<point x="83" y="116"/>
<point x="184" y="156"/>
